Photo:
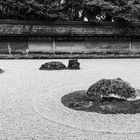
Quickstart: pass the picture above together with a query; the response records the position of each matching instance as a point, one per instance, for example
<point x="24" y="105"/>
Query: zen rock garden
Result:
<point x="106" y="96"/>
<point x="56" y="65"/>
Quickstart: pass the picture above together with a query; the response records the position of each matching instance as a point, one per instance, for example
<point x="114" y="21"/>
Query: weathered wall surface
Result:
<point x="136" y="45"/>
<point x="108" y="45"/>
<point x="31" y="28"/>
<point x="40" y="45"/>
<point x="53" y="30"/>
<point x="69" y="37"/>
<point x="52" y="46"/>
<point x="4" y="48"/>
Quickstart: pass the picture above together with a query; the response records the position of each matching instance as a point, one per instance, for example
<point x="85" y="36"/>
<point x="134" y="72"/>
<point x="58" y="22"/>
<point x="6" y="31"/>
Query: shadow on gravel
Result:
<point x="1" y="71"/>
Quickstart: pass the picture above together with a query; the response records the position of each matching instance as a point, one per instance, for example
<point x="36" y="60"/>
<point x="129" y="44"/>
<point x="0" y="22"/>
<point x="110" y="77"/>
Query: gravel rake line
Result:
<point x="73" y="127"/>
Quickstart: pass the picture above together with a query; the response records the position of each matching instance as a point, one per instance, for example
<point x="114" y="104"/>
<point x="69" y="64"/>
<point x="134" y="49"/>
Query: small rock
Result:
<point x="74" y="64"/>
<point x="54" y="65"/>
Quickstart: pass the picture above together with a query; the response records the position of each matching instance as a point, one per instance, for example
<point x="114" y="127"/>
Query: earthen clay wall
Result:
<point x="69" y="37"/>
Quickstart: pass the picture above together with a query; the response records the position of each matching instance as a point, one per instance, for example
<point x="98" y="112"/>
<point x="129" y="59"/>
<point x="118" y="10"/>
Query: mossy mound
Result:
<point x="54" y="65"/>
<point x="107" y="105"/>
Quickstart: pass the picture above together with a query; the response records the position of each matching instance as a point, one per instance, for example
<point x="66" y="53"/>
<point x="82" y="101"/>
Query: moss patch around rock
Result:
<point x="78" y="101"/>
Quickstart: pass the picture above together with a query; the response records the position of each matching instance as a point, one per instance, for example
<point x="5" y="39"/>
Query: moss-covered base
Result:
<point x="78" y="101"/>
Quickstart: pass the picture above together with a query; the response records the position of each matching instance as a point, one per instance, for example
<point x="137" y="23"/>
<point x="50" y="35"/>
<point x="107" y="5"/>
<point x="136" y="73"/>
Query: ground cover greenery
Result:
<point x="71" y="10"/>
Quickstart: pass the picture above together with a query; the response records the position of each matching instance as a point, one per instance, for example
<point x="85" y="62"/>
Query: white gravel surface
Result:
<point x="31" y="109"/>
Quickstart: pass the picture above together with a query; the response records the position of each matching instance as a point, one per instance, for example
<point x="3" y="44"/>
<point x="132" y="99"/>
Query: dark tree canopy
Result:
<point x="29" y="9"/>
<point x="71" y="10"/>
<point x="113" y="10"/>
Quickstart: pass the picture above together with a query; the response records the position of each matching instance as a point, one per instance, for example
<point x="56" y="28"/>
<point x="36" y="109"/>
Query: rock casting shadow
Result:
<point x="107" y="96"/>
<point x="78" y="101"/>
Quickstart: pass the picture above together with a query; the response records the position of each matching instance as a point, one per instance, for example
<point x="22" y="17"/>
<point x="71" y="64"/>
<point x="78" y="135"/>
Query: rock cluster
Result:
<point x="110" y="87"/>
<point x="56" y="65"/>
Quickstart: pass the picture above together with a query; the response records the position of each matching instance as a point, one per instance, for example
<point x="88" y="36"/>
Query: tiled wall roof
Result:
<point x="39" y="28"/>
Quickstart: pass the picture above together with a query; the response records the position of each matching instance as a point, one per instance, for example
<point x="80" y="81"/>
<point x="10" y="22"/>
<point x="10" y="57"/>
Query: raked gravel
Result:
<point x="31" y="109"/>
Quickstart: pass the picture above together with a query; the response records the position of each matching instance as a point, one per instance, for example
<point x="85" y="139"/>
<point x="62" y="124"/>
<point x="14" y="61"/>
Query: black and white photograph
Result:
<point x="69" y="69"/>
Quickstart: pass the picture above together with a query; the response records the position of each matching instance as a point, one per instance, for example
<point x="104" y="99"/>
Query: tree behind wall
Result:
<point x="29" y="9"/>
<point x="113" y="10"/>
<point x="71" y="10"/>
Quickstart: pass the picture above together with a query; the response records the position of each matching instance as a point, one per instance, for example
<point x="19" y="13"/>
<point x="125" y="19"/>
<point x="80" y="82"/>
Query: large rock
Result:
<point x="74" y="64"/>
<point x="54" y="65"/>
<point x="110" y="88"/>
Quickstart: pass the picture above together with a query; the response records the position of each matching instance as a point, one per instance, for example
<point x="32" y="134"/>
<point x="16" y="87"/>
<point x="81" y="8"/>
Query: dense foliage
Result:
<point x="71" y="10"/>
<point x="114" y="10"/>
<point x="29" y="9"/>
